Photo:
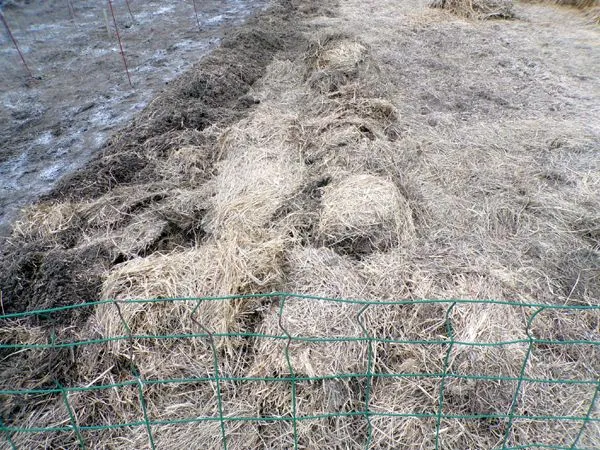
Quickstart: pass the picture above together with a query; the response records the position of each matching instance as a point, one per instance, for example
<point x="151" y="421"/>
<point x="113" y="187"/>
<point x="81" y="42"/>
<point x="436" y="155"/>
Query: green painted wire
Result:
<point x="292" y="373"/>
<point x="43" y="312"/>
<point x="216" y="378"/>
<point x="300" y="418"/>
<point x="340" y="376"/>
<point x="511" y="416"/>
<point x="450" y="332"/>
<point x="587" y="417"/>
<point x="74" y="425"/>
<point x="7" y="435"/>
<point x="515" y="400"/>
<point x="143" y="405"/>
<point x="136" y="373"/>
<point x="368" y="376"/>
<point x="345" y="339"/>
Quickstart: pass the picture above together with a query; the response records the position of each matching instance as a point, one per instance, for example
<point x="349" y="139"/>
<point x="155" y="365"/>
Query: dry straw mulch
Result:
<point x="335" y="179"/>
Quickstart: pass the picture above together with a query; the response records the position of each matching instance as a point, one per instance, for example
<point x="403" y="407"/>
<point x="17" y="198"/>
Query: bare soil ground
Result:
<point x="54" y="124"/>
<point x="380" y="151"/>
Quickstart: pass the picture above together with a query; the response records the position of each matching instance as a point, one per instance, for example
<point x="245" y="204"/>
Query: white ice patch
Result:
<point x="51" y="173"/>
<point x="215" y="20"/>
<point x="45" y="138"/>
<point x="163" y="10"/>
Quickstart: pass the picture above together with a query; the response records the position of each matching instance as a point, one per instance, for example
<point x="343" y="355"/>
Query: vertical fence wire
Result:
<point x="368" y="375"/>
<point x="137" y="375"/>
<point x="144" y="406"/>
<point x="215" y="357"/>
<point x="72" y="418"/>
<point x="587" y="417"/>
<point x="290" y="369"/>
<point x="7" y="435"/>
<point x="439" y="415"/>
<point x="515" y="399"/>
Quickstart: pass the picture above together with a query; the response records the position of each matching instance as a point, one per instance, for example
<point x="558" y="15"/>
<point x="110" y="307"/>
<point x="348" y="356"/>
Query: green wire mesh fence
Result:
<point x="505" y="421"/>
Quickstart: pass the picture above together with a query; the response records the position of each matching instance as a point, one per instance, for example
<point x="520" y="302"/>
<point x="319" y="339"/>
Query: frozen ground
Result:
<point x="53" y="124"/>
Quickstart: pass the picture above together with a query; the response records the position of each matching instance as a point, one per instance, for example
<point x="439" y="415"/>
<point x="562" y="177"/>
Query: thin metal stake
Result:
<point x="129" y="9"/>
<point x="71" y="9"/>
<point x="112" y="12"/>
<point x="196" y="13"/>
<point x="15" y="43"/>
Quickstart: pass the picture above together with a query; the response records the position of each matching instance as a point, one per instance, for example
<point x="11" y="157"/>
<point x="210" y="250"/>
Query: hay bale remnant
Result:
<point x="590" y="8"/>
<point x="480" y="9"/>
<point x="363" y="213"/>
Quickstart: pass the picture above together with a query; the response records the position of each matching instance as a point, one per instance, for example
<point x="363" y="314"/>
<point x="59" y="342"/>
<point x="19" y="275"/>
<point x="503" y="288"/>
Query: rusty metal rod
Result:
<point x="15" y="43"/>
<point x="112" y="12"/>
<point x="71" y="9"/>
<point x="129" y="9"/>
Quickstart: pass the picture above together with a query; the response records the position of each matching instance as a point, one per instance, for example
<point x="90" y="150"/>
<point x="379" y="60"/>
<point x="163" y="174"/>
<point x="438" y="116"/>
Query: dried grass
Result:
<point x="319" y="272"/>
<point x="363" y="213"/>
<point x="594" y="14"/>
<point x="43" y="220"/>
<point x="335" y="61"/>
<point x="577" y="3"/>
<point x="259" y="171"/>
<point x="338" y="185"/>
<point x="237" y="265"/>
<point x="481" y="9"/>
<point x="233" y="266"/>
<point x="590" y="8"/>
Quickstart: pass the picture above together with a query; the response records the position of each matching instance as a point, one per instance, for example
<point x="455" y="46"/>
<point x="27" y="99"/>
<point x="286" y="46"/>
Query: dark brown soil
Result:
<point x="211" y="93"/>
<point x="54" y="123"/>
<point x="39" y="274"/>
<point x="42" y="273"/>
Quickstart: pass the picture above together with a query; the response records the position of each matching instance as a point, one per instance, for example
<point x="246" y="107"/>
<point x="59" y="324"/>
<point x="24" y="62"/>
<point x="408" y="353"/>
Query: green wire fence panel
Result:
<point x="443" y="338"/>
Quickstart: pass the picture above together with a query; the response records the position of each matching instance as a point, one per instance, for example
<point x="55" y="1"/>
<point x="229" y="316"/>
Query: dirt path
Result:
<point x="54" y="124"/>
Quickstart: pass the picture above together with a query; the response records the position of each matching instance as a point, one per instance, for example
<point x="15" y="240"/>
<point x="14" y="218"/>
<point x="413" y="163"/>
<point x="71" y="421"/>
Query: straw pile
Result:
<point x="481" y="9"/>
<point x="591" y="8"/>
<point x="578" y="3"/>
<point x="338" y="181"/>
<point x="364" y="213"/>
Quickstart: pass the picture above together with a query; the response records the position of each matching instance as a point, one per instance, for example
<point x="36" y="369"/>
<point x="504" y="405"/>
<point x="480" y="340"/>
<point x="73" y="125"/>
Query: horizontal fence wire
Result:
<point x="8" y="429"/>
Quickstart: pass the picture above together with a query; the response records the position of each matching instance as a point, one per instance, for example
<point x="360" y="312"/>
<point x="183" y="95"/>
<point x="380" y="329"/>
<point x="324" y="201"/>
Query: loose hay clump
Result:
<point x="334" y="60"/>
<point x="320" y="272"/>
<point x="260" y="172"/>
<point x="238" y="265"/>
<point x="335" y="51"/>
<point x="189" y="164"/>
<point x="46" y="221"/>
<point x="364" y="213"/>
<point x="481" y="9"/>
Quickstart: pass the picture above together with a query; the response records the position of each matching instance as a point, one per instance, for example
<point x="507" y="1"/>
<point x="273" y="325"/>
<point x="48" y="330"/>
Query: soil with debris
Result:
<point x="53" y="124"/>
